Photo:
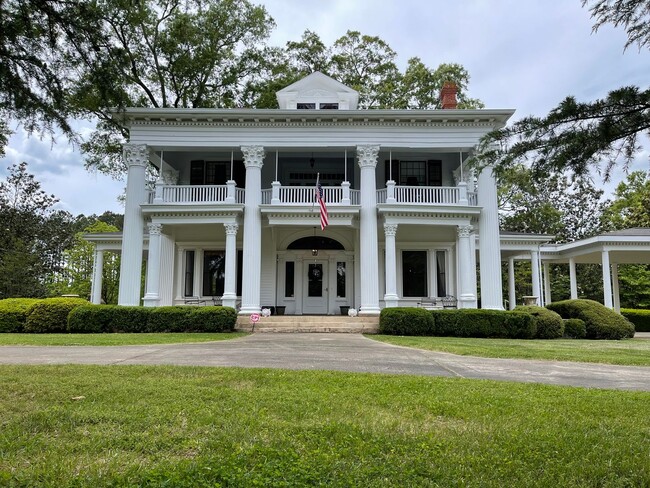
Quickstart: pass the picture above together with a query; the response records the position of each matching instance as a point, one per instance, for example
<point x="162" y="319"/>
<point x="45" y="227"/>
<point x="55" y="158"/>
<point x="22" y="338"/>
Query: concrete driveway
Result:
<point x="338" y="352"/>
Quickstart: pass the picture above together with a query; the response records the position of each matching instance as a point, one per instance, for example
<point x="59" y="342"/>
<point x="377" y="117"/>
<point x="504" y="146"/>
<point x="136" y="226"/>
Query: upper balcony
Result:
<point x="292" y="196"/>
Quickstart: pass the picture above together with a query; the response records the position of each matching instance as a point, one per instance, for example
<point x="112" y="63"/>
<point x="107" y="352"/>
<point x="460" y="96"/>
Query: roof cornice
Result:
<point x="143" y="116"/>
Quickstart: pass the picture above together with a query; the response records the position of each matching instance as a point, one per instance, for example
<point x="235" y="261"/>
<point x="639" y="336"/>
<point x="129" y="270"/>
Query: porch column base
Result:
<point x="467" y="301"/>
<point x="151" y="300"/>
<point x="249" y="310"/>
<point x="391" y="301"/>
<point x="369" y="311"/>
<point x="229" y="301"/>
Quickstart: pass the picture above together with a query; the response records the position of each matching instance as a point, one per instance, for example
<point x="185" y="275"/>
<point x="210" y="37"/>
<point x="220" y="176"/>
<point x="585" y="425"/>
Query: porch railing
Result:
<point x="305" y="195"/>
<point x="196" y="194"/>
<point x="424" y="195"/>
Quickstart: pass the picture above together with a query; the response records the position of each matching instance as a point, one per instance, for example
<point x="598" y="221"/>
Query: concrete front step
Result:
<point x="310" y="323"/>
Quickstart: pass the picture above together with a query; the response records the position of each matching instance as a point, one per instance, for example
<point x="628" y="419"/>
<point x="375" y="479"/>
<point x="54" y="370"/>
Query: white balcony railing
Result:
<point x="305" y="195"/>
<point x="184" y="194"/>
<point x="424" y="195"/>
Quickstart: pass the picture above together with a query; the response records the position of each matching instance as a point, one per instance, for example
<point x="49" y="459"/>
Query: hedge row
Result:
<point x="51" y="315"/>
<point x="13" y="313"/>
<point x="640" y="318"/>
<point x="600" y="321"/>
<point x="113" y="318"/>
<point x="36" y="314"/>
<point x="548" y="324"/>
<point x="456" y="323"/>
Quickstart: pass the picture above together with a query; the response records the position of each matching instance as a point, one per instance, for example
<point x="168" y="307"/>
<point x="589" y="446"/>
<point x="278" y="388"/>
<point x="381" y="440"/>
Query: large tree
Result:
<point x="36" y="39"/>
<point x="580" y="136"/>
<point x="33" y="238"/>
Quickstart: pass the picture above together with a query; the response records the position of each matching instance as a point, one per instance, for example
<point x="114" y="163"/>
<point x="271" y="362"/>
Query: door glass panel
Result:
<point x="340" y="279"/>
<point x="315" y="280"/>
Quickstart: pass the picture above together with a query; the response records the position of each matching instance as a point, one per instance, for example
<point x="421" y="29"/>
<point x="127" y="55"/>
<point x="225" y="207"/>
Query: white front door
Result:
<point x="315" y="291"/>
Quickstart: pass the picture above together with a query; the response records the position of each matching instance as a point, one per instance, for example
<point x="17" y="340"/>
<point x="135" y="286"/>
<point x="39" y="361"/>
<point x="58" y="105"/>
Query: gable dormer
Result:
<point x="317" y="92"/>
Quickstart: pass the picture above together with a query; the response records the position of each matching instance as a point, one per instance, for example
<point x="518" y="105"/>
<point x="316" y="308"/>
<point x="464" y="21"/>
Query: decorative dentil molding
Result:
<point x="367" y="155"/>
<point x="390" y="229"/>
<point x="253" y="156"/>
<point x="231" y="229"/>
<point x="136" y="154"/>
<point x="154" y="229"/>
<point x="465" y="230"/>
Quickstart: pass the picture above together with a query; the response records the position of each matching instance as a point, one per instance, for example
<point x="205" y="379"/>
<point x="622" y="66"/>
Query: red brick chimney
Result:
<point x="448" y="95"/>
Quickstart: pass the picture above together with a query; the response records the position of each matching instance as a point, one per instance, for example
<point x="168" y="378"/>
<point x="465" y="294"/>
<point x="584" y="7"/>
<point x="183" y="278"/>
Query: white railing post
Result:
<point x="390" y="191"/>
<point x="462" y="191"/>
<point x="230" y="191"/>
<point x="275" y="192"/>
<point x="158" y="192"/>
<point x="345" y="188"/>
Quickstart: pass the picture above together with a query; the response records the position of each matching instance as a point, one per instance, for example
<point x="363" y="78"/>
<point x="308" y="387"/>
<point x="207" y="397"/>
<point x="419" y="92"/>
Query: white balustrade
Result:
<point x="426" y="195"/>
<point x="355" y="197"/>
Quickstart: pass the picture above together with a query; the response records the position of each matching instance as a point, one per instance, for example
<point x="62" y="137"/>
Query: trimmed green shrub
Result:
<point x="213" y="319"/>
<point x="640" y="318"/>
<point x="51" y="315"/>
<point x="548" y="324"/>
<point x="600" y="321"/>
<point x="114" y="318"/>
<point x="13" y="313"/>
<point x="170" y="319"/>
<point x="575" y="329"/>
<point x="483" y="323"/>
<point x="408" y="321"/>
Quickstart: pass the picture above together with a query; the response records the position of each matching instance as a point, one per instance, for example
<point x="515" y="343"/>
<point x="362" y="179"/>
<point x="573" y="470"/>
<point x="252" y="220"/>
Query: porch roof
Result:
<point x="627" y="246"/>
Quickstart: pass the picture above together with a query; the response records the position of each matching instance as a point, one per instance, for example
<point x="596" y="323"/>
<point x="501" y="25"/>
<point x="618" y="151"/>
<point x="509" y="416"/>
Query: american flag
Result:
<point x="321" y="203"/>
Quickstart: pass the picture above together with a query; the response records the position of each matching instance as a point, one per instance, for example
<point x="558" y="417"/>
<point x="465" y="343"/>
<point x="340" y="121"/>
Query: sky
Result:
<point x="526" y="55"/>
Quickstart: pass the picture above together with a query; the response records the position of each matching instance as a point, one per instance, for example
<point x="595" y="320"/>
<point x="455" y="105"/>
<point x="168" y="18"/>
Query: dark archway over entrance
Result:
<point x="316" y="242"/>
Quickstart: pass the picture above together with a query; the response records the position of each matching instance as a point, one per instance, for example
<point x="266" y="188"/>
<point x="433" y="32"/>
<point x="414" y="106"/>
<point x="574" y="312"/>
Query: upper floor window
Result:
<point x="216" y="173"/>
<point x="321" y="106"/>
<point x="415" y="173"/>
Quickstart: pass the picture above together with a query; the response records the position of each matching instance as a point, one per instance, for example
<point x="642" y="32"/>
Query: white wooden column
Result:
<point x="152" y="296"/>
<point x="98" y="272"/>
<point x="467" y="297"/>
<point x="572" y="278"/>
<point x="607" y="280"/>
<point x="369" y="254"/>
<point x="229" y="298"/>
<point x="136" y="157"/>
<point x="489" y="242"/>
<point x="391" y="297"/>
<point x="197" y="284"/>
<point x="180" y="273"/>
<point x="547" y="283"/>
<point x="615" y="288"/>
<point x="512" y="292"/>
<point x="534" y="264"/>
<point x="299" y="278"/>
<point x="252" y="245"/>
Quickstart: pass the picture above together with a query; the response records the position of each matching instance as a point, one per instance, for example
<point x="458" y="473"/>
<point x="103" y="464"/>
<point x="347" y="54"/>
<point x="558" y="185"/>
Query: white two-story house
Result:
<point x="233" y="214"/>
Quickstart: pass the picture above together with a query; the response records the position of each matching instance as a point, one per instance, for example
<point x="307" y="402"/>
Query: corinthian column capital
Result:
<point x="367" y="155"/>
<point x="135" y="154"/>
<point x="253" y="156"/>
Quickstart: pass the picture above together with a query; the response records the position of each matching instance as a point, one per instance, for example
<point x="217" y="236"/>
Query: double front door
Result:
<point x="315" y="290"/>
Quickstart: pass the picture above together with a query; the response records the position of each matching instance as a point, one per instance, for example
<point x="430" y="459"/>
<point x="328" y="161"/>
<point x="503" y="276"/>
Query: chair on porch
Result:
<point x="430" y="303"/>
<point x="193" y="301"/>
<point x="449" y="301"/>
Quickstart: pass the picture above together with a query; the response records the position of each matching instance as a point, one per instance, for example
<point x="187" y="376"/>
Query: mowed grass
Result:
<point x="112" y="339"/>
<point x="181" y="426"/>
<point x="632" y="352"/>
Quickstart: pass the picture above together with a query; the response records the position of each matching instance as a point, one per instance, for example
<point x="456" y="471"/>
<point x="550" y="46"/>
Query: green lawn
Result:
<point x="111" y="339"/>
<point x="179" y="426"/>
<point x="634" y="352"/>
